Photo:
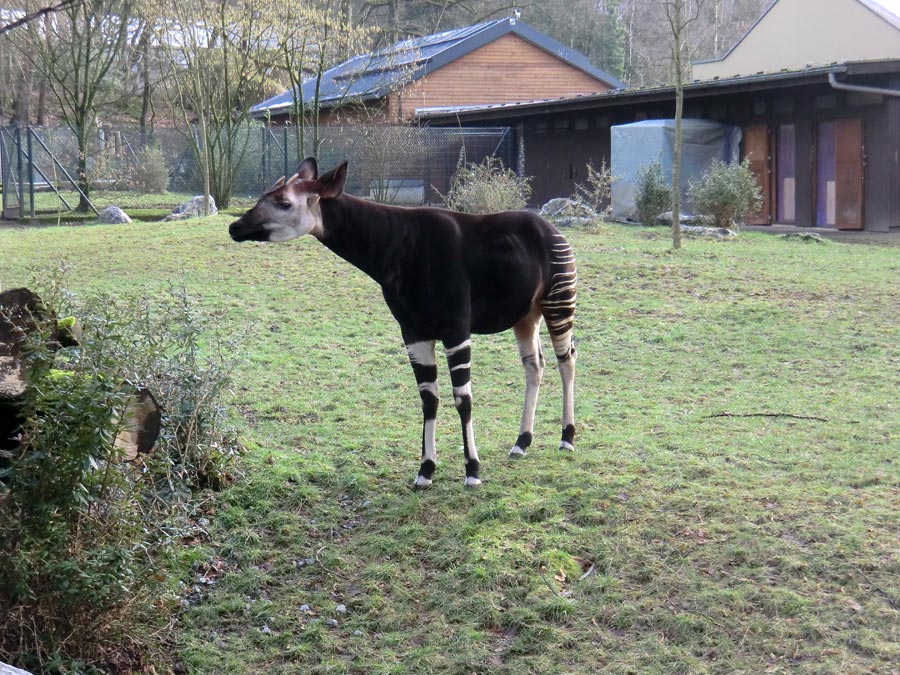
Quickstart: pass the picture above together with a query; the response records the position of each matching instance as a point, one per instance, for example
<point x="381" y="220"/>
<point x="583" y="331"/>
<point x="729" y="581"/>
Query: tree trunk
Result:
<point x="204" y="161"/>
<point x="84" y="183"/>
<point x="678" y="51"/>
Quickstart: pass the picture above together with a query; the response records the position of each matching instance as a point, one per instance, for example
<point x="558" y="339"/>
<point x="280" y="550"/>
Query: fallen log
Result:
<point x="22" y="312"/>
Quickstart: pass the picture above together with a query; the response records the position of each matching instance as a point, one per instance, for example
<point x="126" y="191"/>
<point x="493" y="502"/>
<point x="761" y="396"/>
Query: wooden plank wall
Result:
<point x="506" y="70"/>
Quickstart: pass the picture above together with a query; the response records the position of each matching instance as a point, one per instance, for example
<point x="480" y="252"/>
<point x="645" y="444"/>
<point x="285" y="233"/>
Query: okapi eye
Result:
<point x="284" y="206"/>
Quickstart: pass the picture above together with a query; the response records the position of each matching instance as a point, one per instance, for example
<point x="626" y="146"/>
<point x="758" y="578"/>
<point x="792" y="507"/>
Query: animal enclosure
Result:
<point x="407" y="165"/>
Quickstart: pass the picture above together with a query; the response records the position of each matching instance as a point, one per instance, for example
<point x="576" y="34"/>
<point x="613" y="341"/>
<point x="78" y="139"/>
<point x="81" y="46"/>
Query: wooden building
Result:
<point x="795" y="34"/>
<point x="493" y="62"/>
<point x="824" y="142"/>
<point x="814" y="87"/>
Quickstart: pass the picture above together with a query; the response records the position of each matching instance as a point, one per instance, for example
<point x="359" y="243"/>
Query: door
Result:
<point x="756" y="149"/>
<point x="848" y="150"/>
<point x="839" y="174"/>
<point x="786" y="174"/>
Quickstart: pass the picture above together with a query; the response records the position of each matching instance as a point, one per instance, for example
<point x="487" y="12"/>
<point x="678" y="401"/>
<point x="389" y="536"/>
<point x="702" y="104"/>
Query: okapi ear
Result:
<point x="331" y="184"/>
<point x="308" y="169"/>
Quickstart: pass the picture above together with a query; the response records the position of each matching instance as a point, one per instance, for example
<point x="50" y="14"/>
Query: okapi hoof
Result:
<point x="472" y="482"/>
<point x="422" y="483"/>
<point x="565" y="445"/>
<point x="516" y="452"/>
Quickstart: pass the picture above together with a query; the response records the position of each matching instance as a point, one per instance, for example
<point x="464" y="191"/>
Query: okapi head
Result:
<point x="291" y="208"/>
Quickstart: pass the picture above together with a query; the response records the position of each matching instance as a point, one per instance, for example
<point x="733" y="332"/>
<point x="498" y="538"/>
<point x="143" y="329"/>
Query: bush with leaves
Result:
<point x="86" y="538"/>
<point x="487" y="187"/>
<point x="726" y="192"/>
<point x="653" y="194"/>
<point x="150" y="173"/>
<point x="597" y="191"/>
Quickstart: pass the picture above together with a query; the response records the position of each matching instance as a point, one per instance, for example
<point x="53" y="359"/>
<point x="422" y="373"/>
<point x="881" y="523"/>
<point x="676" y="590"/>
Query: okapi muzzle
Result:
<point x="445" y="276"/>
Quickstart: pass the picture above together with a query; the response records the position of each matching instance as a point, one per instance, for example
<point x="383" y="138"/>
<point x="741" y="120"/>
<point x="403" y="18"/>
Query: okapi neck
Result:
<point x="360" y="232"/>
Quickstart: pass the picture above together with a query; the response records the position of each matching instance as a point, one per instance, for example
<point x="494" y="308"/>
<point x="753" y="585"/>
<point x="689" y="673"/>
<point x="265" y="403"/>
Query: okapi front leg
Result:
<point x="459" y="359"/>
<point x="421" y="356"/>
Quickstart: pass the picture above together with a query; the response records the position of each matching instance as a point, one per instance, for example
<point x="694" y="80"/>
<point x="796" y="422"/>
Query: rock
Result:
<point x="112" y="215"/>
<point x="6" y="669"/>
<point x="341" y="609"/>
<point x="265" y="630"/>
<point x="193" y="208"/>
<point x="331" y="623"/>
<point x="686" y="219"/>
<point x="712" y="232"/>
<point x="568" y="212"/>
<point x="806" y="237"/>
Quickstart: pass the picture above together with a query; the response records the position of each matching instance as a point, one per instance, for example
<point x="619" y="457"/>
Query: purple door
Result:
<point x="826" y="187"/>
<point x="786" y="174"/>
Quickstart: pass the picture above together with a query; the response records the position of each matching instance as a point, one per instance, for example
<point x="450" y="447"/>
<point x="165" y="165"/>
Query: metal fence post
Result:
<point x="19" y="169"/>
<point x="284" y="136"/>
<point x="28" y="133"/>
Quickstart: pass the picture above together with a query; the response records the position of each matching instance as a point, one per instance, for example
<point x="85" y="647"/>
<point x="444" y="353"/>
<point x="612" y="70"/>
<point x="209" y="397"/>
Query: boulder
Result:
<point x="6" y="669"/>
<point x="192" y="208"/>
<point x="686" y="219"/>
<point x="568" y="212"/>
<point x="112" y="215"/>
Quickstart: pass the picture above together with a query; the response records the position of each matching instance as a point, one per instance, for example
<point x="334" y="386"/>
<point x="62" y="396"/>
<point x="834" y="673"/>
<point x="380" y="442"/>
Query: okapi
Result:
<point x="444" y="276"/>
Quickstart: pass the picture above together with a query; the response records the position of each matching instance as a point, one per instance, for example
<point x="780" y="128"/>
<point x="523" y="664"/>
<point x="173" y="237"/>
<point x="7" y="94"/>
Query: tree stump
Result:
<point x="22" y="312"/>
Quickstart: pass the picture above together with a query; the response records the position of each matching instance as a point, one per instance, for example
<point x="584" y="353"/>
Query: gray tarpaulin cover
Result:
<point x="641" y="143"/>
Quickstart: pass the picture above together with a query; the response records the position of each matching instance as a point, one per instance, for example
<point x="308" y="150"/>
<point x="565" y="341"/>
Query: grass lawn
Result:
<point x="733" y="504"/>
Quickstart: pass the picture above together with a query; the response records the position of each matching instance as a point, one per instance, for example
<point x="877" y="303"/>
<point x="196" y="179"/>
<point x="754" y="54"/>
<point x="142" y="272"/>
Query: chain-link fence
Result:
<point x="403" y="165"/>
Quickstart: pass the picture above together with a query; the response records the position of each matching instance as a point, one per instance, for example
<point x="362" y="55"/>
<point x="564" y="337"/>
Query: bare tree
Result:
<point x="75" y="52"/>
<point x="680" y="14"/>
<point x="29" y="17"/>
<point x="309" y="39"/>
<point x="215" y="55"/>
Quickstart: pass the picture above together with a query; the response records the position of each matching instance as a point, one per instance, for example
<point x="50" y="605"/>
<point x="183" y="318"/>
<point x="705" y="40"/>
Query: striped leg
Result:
<point x="421" y="356"/>
<point x="459" y="359"/>
<point x="528" y="340"/>
<point x="558" y="307"/>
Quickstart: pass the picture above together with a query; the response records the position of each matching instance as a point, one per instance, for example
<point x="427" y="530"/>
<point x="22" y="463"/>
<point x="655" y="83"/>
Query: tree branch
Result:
<point x="28" y="18"/>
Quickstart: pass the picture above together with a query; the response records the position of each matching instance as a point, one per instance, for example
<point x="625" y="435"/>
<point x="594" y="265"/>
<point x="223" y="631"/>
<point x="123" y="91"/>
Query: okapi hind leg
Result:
<point x="459" y="360"/>
<point x="558" y="307"/>
<point x="527" y="333"/>
<point x="565" y="356"/>
<point x="421" y="356"/>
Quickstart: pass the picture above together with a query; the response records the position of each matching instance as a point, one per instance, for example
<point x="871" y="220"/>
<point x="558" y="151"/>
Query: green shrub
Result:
<point x="654" y="193"/>
<point x="86" y="540"/>
<point x="597" y="191"/>
<point x="150" y="174"/>
<point x="487" y="187"/>
<point x="726" y="192"/>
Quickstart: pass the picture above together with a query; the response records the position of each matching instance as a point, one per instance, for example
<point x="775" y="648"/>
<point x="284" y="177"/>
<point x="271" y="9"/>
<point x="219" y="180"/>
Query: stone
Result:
<point x="341" y="609"/>
<point x="6" y="669"/>
<point x="567" y="212"/>
<point x="806" y="237"/>
<point x="113" y="215"/>
<point x="686" y="219"/>
<point x="711" y="232"/>
<point x="192" y="208"/>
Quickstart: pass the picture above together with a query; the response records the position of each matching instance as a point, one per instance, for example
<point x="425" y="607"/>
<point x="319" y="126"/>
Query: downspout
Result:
<point x="832" y="80"/>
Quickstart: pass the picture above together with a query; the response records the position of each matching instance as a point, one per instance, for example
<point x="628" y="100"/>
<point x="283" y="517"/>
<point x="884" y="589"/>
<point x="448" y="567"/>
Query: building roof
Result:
<point x="372" y="76"/>
<point x="889" y="10"/>
<point x="619" y="97"/>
